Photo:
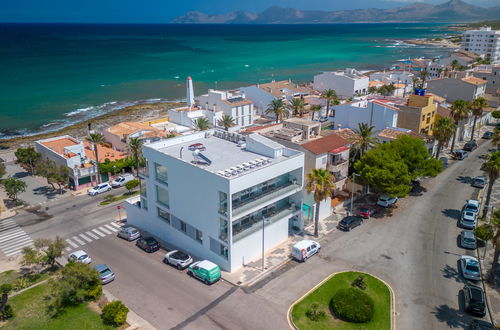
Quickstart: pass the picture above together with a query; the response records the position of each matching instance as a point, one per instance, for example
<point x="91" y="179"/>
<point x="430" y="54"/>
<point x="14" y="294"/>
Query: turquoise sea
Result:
<point x="53" y="75"/>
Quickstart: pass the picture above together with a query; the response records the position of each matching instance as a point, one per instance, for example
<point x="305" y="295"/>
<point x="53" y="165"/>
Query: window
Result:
<point x="183" y="227"/>
<point x="162" y="196"/>
<point x="199" y="236"/>
<point x="223" y="229"/>
<point x="218" y="248"/>
<point x="144" y="203"/>
<point x="222" y="203"/>
<point x="161" y="173"/>
<point x="164" y="215"/>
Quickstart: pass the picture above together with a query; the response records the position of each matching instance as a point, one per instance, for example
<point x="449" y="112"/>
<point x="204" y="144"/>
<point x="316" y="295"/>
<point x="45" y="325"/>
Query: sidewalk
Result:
<point x="251" y="272"/>
<point x="134" y="320"/>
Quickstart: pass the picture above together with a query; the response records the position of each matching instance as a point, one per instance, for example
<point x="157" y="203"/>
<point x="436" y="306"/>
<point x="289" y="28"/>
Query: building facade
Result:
<point x="376" y="112"/>
<point x="216" y="194"/>
<point x="490" y="74"/>
<point x="347" y="83"/>
<point x="452" y="89"/>
<point x="419" y="114"/>
<point x="485" y="42"/>
<point x="231" y="103"/>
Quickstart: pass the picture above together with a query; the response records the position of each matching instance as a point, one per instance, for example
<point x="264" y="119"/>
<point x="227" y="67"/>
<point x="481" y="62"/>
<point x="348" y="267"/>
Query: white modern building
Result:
<point x="219" y="195"/>
<point x="231" y="103"/>
<point x="347" y="83"/>
<point x="485" y="42"/>
<point x="490" y="74"/>
<point x="393" y="77"/>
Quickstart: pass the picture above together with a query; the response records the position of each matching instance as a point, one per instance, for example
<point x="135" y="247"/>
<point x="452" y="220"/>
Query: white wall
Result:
<point x="259" y="97"/>
<point x="350" y="115"/>
<point x="454" y="89"/>
<point x="343" y="85"/>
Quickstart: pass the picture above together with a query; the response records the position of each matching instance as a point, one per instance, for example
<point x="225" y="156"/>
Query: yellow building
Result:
<point x="419" y="114"/>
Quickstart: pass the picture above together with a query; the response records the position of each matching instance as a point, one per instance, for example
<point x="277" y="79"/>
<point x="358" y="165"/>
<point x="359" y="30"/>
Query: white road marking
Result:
<point x="92" y="235"/>
<point x="6" y="246"/>
<point x="98" y="232"/>
<point x="18" y="250"/>
<point x="116" y="225"/>
<point x="8" y="233"/>
<point x="70" y="242"/>
<point x="79" y="241"/>
<point x="13" y="234"/>
<point x="85" y="238"/>
<point x="111" y="228"/>
<point x="105" y="230"/>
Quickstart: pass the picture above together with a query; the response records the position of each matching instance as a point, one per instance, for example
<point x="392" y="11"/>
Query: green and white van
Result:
<point x="205" y="270"/>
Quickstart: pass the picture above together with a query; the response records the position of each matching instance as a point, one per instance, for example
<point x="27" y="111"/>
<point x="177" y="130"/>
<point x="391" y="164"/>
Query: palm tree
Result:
<point x="277" y="108"/>
<point x="459" y="111"/>
<point x="314" y="108"/>
<point x="297" y="106"/>
<point x="443" y="131"/>
<point x="495" y="221"/>
<point x="320" y="182"/>
<point x="226" y="121"/>
<point x="135" y="147"/>
<point x="446" y="71"/>
<point x="95" y="139"/>
<point x="495" y="140"/>
<point x="477" y="108"/>
<point x="366" y="138"/>
<point x="492" y="169"/>
<point x="454" y="65"/>
<point x="202" y="124"/>
<point x="424" y="74"/>
<point x="440" y="72"/>
<point x="329" y="95"/>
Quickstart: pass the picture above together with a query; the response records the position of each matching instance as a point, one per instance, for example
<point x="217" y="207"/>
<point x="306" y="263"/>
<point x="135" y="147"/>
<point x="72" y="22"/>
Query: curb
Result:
<point x="393" y="299"/>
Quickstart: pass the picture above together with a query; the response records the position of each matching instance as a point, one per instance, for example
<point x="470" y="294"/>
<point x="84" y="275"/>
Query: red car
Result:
<point x="367" y="211"/>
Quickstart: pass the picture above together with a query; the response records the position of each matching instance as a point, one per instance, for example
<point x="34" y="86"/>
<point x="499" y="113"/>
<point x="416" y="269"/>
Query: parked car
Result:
<point x="479" y="182"/>
<point x="459" y="154"/>
<point x="444" y="160"/>
<point x="386" y="201"/>
<point x="367" y="211"/>
<point x="178" y="259"/>
<point x="468" y="220"/>
<point x="197" y="146"/>
<point x="468" y="239"/>
<point x="129" y="233"/>
<point x="148" y="244"/>
<point x="121" y="180"/>
<point x="349" y="222"/>
<point x="99" y="189"/>
<point x="80" y="256"/>
<point x="474" y="300"/>
<point x="470" y="268"/>
<point x="323" y="119"/>
<point x="481" y="325"/>
<point x="305" y="249"/>
<point x="470" y="146"/>
<point x="205" y="270"/>
<point x="472" y="205"/>
<point x="488" y="135"/>
<point x="105" y="274"/>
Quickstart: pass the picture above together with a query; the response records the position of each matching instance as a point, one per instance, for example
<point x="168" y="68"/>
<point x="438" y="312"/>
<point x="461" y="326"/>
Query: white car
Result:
<point x="178" y="259"/>
<point x="470" y="268"/>
<point x="99" y="189"/>
<point x="80" y="256"/>
<point x="386" y="201"/>
<point x="472" y="206"/>
<point x="468" y="220"/>
<point x="121" y="180"/>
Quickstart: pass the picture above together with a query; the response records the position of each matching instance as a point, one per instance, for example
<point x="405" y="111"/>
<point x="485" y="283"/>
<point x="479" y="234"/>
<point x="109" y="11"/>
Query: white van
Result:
<point x="121" y="180"/>
<point x="304" y="249"/>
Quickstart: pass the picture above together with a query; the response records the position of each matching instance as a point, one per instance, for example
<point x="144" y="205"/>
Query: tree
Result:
<point x="132" y="184"/>
<point x="387" y="90"/>
<point x="201" y="124"/>
<point x="31" y="256"/>
<point x="3" y="171"/>
<point x="329" y="96"/>
<point x="495" y="223"/>
<point x="459" y="111"/>
<point x="135" y="147"/>
<point x="417" y="158"/>
<point x="297" y="106"/>
<point x="442" y="131"/>
<point x="477" y="107"/>
<point x="496" y="114"/>
<point x="277" y="108"/>
<point x="114" y="313"/>
<point x="226" y="121"/>
<point x="366" y="138"/>
<point x="372" y="90"/>
<point x="424" y="74"/>
<point x="13" y="187"/>
<point x="44" y="251"/>
<point x="314" y="108"/>
<point x="96" y="139"/>
<point x="53" y="250"/>
<point x="454" y="65"/>
<point x="6" y="311"/>
<point x="53" y="173"/>
<point x="495" y="140"/>
<point x="27" y="157"/>
<point x="492" y="169"/>
<point x="320" y="183"/>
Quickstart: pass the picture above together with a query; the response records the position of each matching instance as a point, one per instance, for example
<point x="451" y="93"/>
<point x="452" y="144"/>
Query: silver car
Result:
<point x="178" y="259"/>
<point x="468" y="239"/>
<point x="129" y="233"/>
<point x="80" y="256"/>
<point x="468" y="220"/>
<point x="470" y="268"/>
<point x="479" y="181"/>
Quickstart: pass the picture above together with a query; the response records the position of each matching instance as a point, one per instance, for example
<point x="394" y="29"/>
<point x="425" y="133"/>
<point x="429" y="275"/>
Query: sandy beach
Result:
<point x="445" y="43"/>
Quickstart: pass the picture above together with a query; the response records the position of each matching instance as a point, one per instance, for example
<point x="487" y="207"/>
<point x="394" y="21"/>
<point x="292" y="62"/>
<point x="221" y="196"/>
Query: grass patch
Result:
<point x="11" y="276"/>
<point x="118" y="198"/>
<point x="376" y="289"/>
<point x="30" y="309"/>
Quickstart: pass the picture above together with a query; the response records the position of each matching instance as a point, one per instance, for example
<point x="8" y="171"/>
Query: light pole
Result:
<point x="263" y="222"/>
<point x="352" y="191"/>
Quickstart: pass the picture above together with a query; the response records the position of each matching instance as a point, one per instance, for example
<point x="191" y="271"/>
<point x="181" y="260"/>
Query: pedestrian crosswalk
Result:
<point x="91" y="235"/>
<point x="12" y="237"/>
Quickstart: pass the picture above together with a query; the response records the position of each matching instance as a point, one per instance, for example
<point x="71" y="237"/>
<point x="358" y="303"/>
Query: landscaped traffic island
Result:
<point x="348" y="300"/>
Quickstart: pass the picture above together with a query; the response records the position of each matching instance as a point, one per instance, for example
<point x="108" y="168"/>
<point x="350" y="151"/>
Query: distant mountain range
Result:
<point x="451" y="11"/>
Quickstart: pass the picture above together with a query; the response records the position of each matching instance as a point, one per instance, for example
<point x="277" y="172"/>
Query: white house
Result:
<point x="393" y="77"/>
<point x="347" y="83"/>
<point x="230" y="103"/>
<point x="452" y="89"/>
<point x="216" y="194"/>
<point x="485" y="42"/>
<point x="490" y="74"/>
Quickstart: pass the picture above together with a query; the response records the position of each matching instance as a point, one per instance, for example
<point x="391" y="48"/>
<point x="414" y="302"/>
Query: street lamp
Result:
<point x="263" y="223"/>
<point x="352" y="191"/>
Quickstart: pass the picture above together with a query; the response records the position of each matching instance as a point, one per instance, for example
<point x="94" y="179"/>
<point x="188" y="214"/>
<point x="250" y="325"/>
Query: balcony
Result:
<point x="337" y="166"/>
<point x="260" y="199"/>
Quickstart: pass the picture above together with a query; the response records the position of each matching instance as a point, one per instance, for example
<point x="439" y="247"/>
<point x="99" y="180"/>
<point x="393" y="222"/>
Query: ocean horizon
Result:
<point x="55" y="75"/>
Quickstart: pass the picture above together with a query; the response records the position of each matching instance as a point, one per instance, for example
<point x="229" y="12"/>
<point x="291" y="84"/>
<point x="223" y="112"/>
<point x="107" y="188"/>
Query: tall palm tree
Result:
<point x="297" y="106"/>
<point x="320" y="183"/>
<point x="477" y="107"/>
<point x="226" y="121"/>
<point x="277" y="108"/>
<point x="495" y="140"/>
<point x="454" y="65"/>
<point x="424" y="74"/>
<point x="314" y="108"/>
<point x="443" y="131"/>
<point x="135" y="147"/>
<point x="95" y="139"/>
<point x="366" y="138"/>
<point x="202" y="124"/>
<point x="329" y="95"/>
<point x="492" y="169"/>
<point x="459" y="111"/>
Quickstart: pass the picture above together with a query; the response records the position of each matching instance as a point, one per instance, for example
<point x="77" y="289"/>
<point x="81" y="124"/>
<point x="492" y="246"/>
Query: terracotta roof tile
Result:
<point x="325" y="144"/>
<point x="474" y="81"/>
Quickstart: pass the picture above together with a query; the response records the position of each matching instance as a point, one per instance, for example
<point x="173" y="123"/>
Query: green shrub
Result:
<point x="130" y="185"/>
<point x="352" y="305"/>
<point x="6" y="288"/>
<point x="8" y="313"/>
<point x="109" y="198"/>
<point x="21" y="283"/>
<point x="114" y="313"/>
<point x="359" y="282"/>
<point x="314" y="313"/>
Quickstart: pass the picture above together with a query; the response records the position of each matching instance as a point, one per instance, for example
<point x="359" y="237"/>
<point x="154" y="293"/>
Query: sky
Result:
<point x="161" y="11"/>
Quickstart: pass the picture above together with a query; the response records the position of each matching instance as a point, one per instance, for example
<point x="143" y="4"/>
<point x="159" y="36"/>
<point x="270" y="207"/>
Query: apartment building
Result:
<point x="467" y="88"/>
<point x="491" y="75"/>
<point x="219" y="195"/>
<point x="419" y="114"/>
<point x="120" y="134"/>
<point x="485" y="42"/>
<point x="231" y="103"/>
<point x="346" y="83"/>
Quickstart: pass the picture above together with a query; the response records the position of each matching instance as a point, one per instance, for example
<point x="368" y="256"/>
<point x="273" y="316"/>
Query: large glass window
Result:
<point x="183" y="227"/>
<point x="223" y="229"/>
<point x="164" y="215"/>
<point x="222" y="203"/>
<point x="162" y="196"/>
<point x="161" y="173"/>
<point x="218" y="248"/>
